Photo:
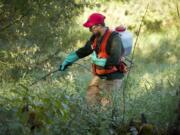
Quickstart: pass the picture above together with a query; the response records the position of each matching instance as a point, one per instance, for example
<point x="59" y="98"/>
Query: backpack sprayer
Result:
<point x="126" y="38"/>
<point x="127" y="43"/>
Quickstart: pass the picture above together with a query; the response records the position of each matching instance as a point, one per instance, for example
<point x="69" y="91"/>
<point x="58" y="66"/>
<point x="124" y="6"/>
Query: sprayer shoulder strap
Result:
<point x="109" y="42"/>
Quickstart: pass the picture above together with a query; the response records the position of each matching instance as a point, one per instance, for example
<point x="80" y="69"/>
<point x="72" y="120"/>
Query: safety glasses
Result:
<point x="93" y="27"/>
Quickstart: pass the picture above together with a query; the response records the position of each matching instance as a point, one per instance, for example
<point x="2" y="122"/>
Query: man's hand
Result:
<point x="69" y="60"/>
<point x="64" y="66"/>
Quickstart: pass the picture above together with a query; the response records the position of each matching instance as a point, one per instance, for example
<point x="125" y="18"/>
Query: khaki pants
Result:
<point x="100" y="91"/>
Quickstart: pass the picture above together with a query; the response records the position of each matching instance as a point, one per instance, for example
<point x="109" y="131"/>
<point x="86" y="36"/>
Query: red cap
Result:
<point x="95" y="18"/>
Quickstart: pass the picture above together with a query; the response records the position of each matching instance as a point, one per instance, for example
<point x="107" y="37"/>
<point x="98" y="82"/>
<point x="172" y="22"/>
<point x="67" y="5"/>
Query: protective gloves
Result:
<point x="70" y="59"/>
<point x="98" y="61"/>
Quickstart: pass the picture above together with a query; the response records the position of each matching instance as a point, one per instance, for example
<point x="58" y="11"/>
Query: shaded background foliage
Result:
<point x="34" y="31"/>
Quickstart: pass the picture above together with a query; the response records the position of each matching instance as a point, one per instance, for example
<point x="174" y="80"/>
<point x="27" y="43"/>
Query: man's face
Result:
<point x="94" y="29"/>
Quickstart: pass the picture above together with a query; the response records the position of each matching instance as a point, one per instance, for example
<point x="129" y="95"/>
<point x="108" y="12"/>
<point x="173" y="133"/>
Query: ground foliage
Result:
<point x="35" y="36"/>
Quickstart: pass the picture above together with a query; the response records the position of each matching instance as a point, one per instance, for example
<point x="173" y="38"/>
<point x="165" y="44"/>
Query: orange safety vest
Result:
<point x="103" y="54"/>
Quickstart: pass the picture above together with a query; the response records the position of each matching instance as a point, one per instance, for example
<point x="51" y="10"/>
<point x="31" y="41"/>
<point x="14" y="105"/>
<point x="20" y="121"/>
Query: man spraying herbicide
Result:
<point x="107" y="48"/>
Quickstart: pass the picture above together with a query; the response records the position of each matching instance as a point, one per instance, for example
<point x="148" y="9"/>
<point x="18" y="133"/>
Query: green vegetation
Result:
<point x="35" y="37"/>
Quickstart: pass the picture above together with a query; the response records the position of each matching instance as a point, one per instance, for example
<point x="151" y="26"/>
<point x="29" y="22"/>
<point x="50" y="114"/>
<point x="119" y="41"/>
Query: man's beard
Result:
<point x="98" y="34"/>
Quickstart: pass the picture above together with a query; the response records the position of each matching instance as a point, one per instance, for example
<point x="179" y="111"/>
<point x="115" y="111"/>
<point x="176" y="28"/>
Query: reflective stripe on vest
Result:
<point x="103" y="54"/>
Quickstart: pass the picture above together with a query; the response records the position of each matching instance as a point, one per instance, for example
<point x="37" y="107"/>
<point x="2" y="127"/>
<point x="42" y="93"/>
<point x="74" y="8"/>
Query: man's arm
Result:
<point x="86" y="49"/>
<point x="74" y="56"/>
